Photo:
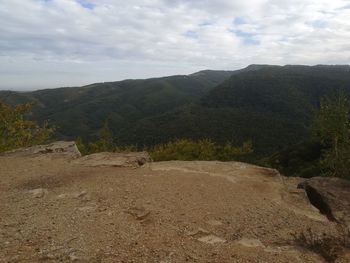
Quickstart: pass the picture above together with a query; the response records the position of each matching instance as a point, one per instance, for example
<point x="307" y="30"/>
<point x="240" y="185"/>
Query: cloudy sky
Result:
<point x="52" y="43"/>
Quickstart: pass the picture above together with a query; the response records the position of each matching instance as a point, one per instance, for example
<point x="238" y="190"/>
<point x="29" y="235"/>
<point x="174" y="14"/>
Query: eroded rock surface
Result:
<point x="132" y="159"/>
<point x="331" y="196"/>
<point x="68" y="149"/>
<point x="58" y="210"/>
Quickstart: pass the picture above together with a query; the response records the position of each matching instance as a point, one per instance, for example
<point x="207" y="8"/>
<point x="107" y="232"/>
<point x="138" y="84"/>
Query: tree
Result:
<point x="16" y="131"/>
<point x="104" y="142"/>
<point x="331" y="126"/>
<point x="81" y="146"/>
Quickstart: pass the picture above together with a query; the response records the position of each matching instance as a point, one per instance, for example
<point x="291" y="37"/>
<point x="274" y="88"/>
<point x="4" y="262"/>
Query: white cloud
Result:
<point x="48" y="43"/>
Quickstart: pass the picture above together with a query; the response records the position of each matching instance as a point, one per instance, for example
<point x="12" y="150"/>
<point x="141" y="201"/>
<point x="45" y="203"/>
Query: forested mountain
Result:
<point x="82" y="111"/>
<point x="270" y="105"/>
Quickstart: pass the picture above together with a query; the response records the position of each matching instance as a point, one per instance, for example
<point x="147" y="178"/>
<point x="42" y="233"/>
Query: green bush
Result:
<point x="189" y="150"/>
<point x="104" y="142"/>
<point x="126" y="148"/>
<point x="16" y="131"/>
<point x="81" y="146"/>
<point x="301" y="159"/>
<point x="331" y="126"/>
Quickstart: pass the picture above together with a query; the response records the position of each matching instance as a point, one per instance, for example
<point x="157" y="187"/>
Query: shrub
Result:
<point x="331" y="126"/>
<point x="16" y="131"/>
<point x="188" y="150"/>
<point x="104" y="142"/>
<point x="81" y="146"/>
<point x="229" y="152"/>
<point x="126" y="148"/>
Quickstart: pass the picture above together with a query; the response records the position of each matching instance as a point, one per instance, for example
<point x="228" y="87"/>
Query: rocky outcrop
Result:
<point x="331" y="196"/>
<point x="67" y="149"/>
<point x="132" y="159"/>
<point x="55" y="210"/>
<point x="70" y="150"/>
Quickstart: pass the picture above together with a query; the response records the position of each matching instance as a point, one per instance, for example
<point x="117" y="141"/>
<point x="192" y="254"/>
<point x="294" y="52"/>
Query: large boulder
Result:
<point x="132" y="159"/>
<point x="67" y="149"/>
<point x="331" y="196"/>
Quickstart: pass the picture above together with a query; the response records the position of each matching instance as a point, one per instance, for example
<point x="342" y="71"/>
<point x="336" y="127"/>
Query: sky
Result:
<point x="55" y="43"/>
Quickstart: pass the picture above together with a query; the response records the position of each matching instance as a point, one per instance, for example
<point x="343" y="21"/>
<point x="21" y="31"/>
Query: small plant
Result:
<point x="327" y="246"/>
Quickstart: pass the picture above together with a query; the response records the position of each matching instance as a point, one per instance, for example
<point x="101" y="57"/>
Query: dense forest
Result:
<point x="82" y="111"/>
<point x="270" y="106"/>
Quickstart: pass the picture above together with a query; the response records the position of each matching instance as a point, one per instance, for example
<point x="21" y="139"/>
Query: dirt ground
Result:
<point x="55" y="210"/>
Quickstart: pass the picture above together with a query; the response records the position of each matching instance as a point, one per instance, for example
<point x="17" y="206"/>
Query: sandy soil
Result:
<point x="54" y="210"/>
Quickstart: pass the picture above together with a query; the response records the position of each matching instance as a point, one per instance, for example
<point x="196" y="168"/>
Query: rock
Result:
<point x="81" y="194"/>
<point x="62" y="196"/>
<point x="331" y="196"/>
<point x="214" y="222"/>
<point x="87" y="209"/>
<point x="38" y="193"/>
<point x="67" y="149"/>
<point x="250" y="242"/>
<point x="139" y="213"/>
<point x="73" y="258"/>
<point x="132" y="159"/>
<point x="211" y="239"/>
<point x="199" y="232"/>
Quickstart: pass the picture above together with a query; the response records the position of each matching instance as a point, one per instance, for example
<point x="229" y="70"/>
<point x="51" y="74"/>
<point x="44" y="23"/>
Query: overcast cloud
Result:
<point x="52" y="43"/>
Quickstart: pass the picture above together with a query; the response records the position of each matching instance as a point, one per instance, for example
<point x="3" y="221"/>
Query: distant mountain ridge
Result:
<point x="81" y="111"/>
<point x="271" y="105"/>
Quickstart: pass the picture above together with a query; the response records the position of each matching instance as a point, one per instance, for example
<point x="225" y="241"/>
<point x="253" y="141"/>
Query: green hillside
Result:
<point x="82" y="111"/>
<point x="271" y="105"/>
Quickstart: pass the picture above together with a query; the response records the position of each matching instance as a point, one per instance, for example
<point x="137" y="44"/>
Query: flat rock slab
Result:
<point x="331" y="196"/>
<point x="214" y="222"/>
<point x="132" y="159"/>
<point x="211" y="239"/>
<point x="38" y="193"/>
<point x="93" y="214"/>
<point x="250" y="242"/>
<point x="68" y="149"/>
